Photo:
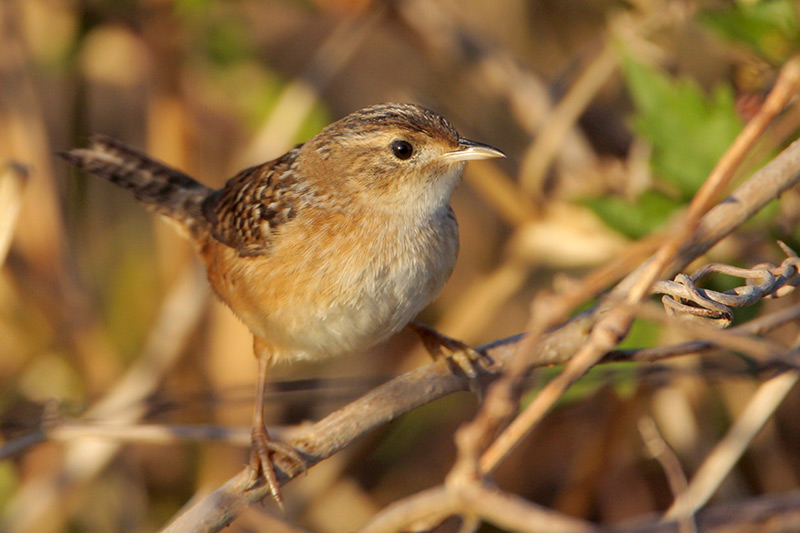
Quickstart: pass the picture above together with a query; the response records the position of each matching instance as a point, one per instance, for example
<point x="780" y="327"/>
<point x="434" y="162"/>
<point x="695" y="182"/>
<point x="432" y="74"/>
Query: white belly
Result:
<point x="374" y="302"/>
<point x="312" y="299"/>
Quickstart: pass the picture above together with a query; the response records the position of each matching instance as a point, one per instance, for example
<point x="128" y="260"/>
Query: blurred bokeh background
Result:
<point x="611" y="112"/>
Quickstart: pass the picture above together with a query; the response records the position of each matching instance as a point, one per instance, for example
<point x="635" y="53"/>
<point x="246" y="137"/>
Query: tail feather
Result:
<point x="166" y="190"/>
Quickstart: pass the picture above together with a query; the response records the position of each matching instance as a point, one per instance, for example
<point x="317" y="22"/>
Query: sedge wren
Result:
<point x="326" y="250"/>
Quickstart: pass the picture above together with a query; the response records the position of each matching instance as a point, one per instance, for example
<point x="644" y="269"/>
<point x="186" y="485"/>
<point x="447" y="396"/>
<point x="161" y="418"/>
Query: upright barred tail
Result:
<point x="166" y="190"/>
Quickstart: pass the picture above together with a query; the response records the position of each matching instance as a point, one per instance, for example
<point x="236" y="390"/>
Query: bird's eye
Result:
<point x="402" y="149"/>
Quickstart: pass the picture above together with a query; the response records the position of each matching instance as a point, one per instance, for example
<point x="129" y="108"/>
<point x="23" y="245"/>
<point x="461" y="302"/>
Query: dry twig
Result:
<point x="728" y="451"/>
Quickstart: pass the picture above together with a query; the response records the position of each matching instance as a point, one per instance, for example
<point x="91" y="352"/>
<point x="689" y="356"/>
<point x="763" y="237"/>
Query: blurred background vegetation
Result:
<point x="612" y="114"/>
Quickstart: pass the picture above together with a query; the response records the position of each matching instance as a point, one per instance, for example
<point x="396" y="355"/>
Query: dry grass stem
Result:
<point x="668" y="459"/>
<point x="68" y="431"/>
<point x="550" y="139"/>
<point x="527" y="94"/>
<point x="293" y="106"/>
<point x="84" y="459"/>
<point x="12" y="187"/>
<point x="492" y="506"/>
<point x="729" y="450"/>
<point x="500" y="192"/>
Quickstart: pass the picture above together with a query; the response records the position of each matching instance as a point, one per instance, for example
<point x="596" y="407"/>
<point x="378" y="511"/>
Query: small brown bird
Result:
<point x="326" y="250"/>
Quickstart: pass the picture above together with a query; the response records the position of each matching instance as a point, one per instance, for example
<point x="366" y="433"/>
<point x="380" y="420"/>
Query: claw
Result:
<point x="462" y="355"/>
<point x="262" y="462"/>
<point x="467" y="359"/>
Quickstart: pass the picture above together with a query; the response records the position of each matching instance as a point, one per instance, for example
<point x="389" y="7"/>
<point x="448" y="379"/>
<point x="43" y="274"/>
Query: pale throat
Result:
<point x="420" y="203"/>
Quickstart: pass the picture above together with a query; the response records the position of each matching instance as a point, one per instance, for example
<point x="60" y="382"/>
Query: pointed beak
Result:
<point x="469" y="150"/>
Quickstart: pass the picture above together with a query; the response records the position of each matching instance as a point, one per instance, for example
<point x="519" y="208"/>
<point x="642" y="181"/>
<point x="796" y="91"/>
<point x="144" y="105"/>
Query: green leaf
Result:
<point x="688" y="130"/>
<point x="638" y="219"/>
<point x="769" y="27"/>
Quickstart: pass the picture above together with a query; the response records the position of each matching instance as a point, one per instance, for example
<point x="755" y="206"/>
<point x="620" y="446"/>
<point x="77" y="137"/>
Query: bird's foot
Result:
<point x="262" y="455"/>
<point x="467" y="359"/>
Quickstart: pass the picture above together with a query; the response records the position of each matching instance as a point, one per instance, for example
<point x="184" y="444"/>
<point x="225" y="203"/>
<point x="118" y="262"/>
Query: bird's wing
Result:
<point x="246" y="212"/>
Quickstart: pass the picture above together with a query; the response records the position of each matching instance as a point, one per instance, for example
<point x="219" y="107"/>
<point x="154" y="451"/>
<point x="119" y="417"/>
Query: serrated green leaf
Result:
<point x="688" y="130"/>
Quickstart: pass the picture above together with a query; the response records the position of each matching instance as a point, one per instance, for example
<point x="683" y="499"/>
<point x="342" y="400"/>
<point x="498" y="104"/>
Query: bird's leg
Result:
<point x="443" y="347"/>
<point x="263" y="448"/>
